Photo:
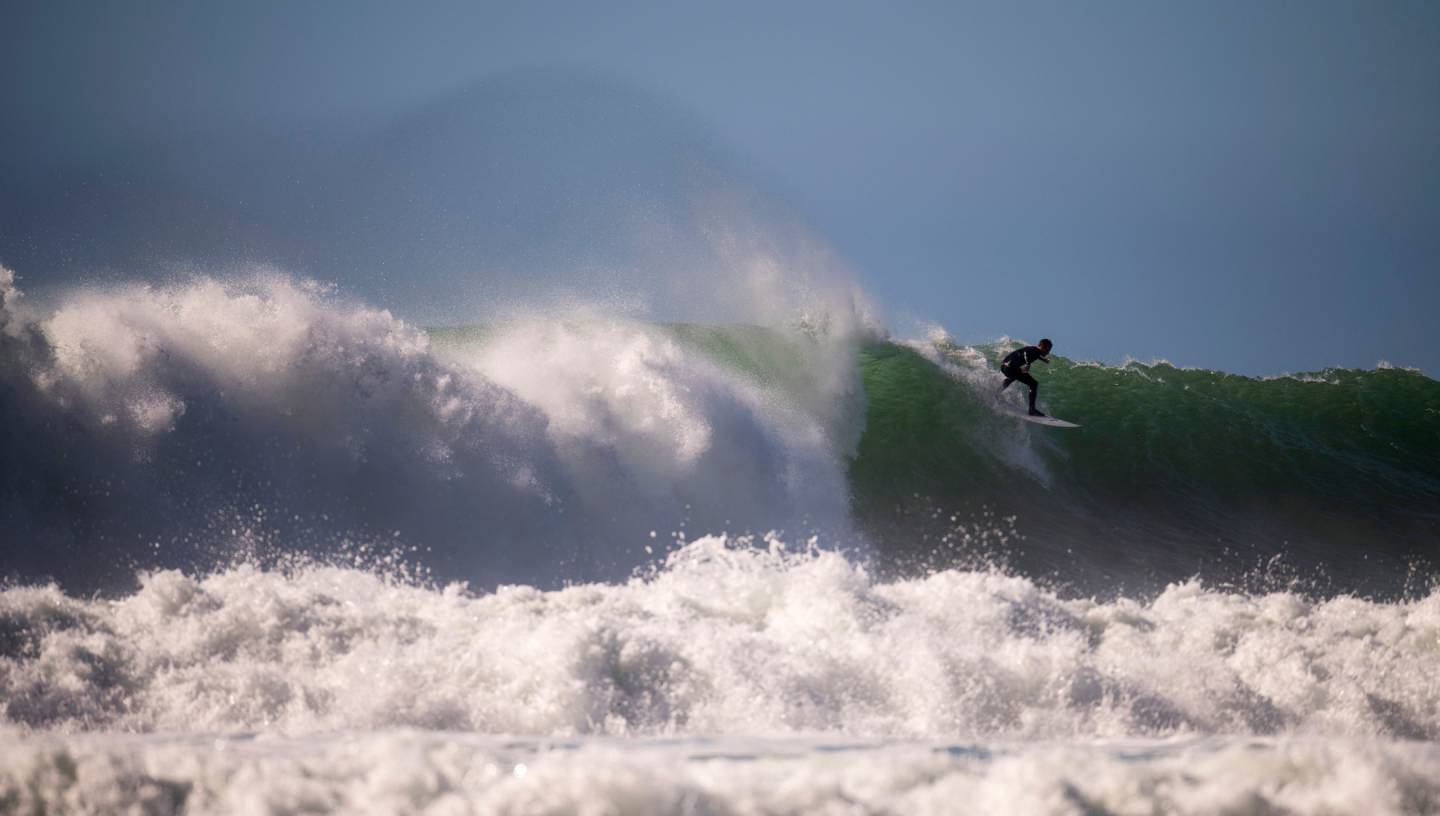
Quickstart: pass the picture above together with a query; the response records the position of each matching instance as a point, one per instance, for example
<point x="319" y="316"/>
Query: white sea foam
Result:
<point x="724" y="640"/>
<point x="408" y="772"/>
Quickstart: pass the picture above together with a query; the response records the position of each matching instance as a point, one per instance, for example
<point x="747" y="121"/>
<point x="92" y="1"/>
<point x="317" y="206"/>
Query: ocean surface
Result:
<point x="267" y="549"/>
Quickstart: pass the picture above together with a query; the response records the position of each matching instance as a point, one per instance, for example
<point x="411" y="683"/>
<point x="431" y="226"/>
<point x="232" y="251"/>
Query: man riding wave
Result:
<point x="1016" y="366"/>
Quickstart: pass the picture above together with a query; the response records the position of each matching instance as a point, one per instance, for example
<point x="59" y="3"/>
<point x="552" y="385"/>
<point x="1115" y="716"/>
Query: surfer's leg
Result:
<point x="1034" y="389"/>
<point x="1009" y="378"/>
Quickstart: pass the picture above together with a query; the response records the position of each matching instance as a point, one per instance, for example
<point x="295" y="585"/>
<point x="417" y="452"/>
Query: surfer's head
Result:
<point x="1046" y="345"/>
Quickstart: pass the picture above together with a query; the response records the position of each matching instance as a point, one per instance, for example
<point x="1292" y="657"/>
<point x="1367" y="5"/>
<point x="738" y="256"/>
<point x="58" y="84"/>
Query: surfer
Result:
<point x="1016" y="366"/>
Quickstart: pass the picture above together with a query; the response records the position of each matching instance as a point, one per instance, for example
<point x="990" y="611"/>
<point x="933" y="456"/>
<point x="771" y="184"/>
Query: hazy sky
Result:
<point x="1252" y="185"/>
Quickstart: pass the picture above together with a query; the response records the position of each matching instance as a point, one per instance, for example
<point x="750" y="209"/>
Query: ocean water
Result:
<point x="270" y="550"/>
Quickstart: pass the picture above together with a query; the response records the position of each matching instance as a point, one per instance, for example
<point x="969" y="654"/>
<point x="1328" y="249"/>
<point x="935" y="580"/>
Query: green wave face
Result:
<point x="1174" y="472"/>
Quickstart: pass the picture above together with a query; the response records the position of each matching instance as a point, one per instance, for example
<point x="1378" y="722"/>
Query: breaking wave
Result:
<point x="190" y="424"/>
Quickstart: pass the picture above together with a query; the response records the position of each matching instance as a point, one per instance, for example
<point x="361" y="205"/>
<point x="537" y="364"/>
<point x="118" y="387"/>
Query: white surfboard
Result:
<point x="1045" y="420"/>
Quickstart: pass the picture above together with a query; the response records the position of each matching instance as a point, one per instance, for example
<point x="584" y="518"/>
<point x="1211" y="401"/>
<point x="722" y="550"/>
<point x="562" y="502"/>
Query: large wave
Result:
<point x="187" y="424"/>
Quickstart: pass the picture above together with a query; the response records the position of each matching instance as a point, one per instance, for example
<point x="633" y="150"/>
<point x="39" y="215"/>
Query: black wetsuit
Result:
<point x="1014" y="369"/>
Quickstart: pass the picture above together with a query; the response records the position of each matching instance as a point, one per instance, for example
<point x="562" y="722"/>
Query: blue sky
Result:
<point x="1252" y="186"/>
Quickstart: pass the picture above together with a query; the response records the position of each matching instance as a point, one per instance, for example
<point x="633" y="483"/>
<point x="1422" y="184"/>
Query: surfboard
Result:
<point x="1045" y="420"/>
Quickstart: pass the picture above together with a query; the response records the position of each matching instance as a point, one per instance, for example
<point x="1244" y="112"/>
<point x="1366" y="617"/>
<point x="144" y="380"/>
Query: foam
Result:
<point x="410" y="772"/>
<point x="729" y="638"/>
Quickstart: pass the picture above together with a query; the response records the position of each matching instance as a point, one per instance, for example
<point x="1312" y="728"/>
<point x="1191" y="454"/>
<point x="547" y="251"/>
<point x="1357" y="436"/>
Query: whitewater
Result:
<point x="271" y="550"/>
<point x="734" y="678"/>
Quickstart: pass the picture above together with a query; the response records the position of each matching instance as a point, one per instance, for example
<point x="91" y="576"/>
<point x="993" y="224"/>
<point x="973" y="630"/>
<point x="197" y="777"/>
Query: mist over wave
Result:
<point x="184" y="425"/>
<point x="532" y="186"/>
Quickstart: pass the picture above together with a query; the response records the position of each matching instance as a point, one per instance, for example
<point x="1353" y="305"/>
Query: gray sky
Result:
<point x="1252" y="186"/>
